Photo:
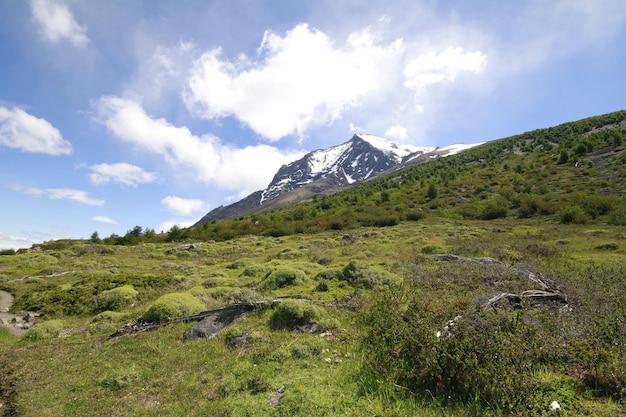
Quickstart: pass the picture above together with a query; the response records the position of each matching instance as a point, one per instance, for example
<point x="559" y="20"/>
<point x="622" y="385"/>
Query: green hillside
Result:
<point x="491" y="282"/>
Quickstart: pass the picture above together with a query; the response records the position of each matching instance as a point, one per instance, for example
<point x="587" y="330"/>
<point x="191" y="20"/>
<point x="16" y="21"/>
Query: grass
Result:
<point x="156" y="373"/>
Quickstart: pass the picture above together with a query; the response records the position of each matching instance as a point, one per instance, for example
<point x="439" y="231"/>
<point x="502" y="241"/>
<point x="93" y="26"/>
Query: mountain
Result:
<point x="325" y="171"/>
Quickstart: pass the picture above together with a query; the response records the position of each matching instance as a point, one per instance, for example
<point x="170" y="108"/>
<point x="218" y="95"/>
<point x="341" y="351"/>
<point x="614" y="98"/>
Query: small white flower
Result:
<point x="554" y="406"/>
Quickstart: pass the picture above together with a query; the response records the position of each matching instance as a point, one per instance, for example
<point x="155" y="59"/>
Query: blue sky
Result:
<point x="115" y="114"/>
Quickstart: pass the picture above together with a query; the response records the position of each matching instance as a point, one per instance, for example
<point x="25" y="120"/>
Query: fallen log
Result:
<point x="215" y="320"/>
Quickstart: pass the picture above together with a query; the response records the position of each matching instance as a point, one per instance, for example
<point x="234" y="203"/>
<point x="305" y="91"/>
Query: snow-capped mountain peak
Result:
<point x="353" y="161"/>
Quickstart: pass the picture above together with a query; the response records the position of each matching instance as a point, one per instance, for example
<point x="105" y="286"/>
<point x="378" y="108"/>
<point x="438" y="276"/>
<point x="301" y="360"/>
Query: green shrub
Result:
<point x="240" y="263"/>
<point x="117" y="298"/>
<point x="608" y="246"/>
<point x="362" y="276"/>
<point x="618" y="216"/>
<point x="573" y="215"/>
<point x="253" y="271"/>
<point x="282" y="277"/>
<point x="45" y="330"/>
<point x="430" y="249"/>
<point x="329" y="274"/>
<point x="494" y="208"/>
<point x="108" y="316"/>
<point x="482" y="358"/>
<point x="294" y="313"/>
<point x="170" y="306"/>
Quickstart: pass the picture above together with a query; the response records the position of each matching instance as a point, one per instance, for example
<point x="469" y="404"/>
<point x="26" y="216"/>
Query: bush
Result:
<point x="573" y="214"/>
<point x="117" y="298"/>
<point x="173" y="305"/>
<point x="45" y="330"/>
<point x="483" y="358"/>
<point x="108" y="316"/>
<point x="293" y="313"/>
<point x="282" y="277"/>
<point x="494" y="208"/>
<point x="361" y="276"/>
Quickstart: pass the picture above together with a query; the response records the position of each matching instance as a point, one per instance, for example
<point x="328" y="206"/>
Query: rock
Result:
<point x="276" y="395"/>
<point x="217" y="320"/>
<point x="29" y="317"/>
<point x="184" y="247"/>
<point x="239" y="341"/>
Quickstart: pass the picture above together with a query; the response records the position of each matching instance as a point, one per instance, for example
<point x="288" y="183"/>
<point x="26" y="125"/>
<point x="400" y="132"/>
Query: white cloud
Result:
<point x="433" y="68"/>
<point x="243" y="169"/>
<point x="12" y="242"/>
<point x="295" y="82"/>
<point x="183" y="206"/>
<point x="165" y="226"/>
<point x="354" y="128"/>
<point x="61" y="194"/>
<point x="103" y="219"/>
<point x="122" y="173"/>
<point x="397" y="132"/>
<point x="56" y="22"/>
<point x="28" y="133"/>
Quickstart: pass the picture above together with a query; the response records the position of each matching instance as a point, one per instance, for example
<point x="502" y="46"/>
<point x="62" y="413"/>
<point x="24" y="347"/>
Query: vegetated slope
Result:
<point x="572" y="172"/>
<point x="327" y="171"/>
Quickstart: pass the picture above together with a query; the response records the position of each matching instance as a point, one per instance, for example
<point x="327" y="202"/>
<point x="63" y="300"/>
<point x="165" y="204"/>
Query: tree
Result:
<point x="174" y="234"/>
<point x="432" y="192"/>
<point x="136" y="231"/>
<point x="95" y="238"/>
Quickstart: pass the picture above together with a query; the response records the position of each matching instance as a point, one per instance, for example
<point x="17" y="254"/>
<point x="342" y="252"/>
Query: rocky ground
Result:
<point x="15" y="323"/>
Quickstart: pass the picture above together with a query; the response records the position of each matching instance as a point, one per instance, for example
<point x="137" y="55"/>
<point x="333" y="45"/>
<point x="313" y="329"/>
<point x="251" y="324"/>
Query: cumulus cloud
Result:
<point x="295" y="81"/>
<point x="184" y="206"/>
<point x="121" y="173"/>
<point x="13" y="242"/>
<point x="28" y="133"/>
<point x="56" y="22"/>
<point x="434" y="68"/>
<point x="168" y="224"/>
<point x="397" y="132"/>
<point x="103" y="219"/>
<point x="61" y="194"/>
<point x="243" y="169"/>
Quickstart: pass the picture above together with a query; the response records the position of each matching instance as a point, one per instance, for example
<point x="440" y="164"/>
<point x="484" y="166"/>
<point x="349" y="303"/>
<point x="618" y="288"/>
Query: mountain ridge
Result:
<point x="325" y="171"/>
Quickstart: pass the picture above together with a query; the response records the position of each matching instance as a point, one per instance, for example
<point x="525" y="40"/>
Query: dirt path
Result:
<point x="6" y="318"/>
<point x="6" y="301"/>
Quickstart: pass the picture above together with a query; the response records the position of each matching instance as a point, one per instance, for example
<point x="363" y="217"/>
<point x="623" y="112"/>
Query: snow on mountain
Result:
<point x="454" y="149"/>
<point x="390" y="148"/>
<point x="351" y="162"/>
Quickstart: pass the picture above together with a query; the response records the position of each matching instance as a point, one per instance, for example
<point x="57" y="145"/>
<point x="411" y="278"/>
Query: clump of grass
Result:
<point x="45" y="330"/>
<point x="117" y="298"/>
<point x="282" y="277"/>
<point x="293" y="313"/>
<point x="170" y="306"/>
<point x="108" y="316"/>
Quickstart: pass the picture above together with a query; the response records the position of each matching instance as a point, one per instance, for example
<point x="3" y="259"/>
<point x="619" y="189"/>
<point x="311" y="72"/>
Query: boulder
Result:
<point x="216" y="320"/>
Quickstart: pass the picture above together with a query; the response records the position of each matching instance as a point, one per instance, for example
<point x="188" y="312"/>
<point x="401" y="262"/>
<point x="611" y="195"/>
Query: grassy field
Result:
<point x="366" y="360"/>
